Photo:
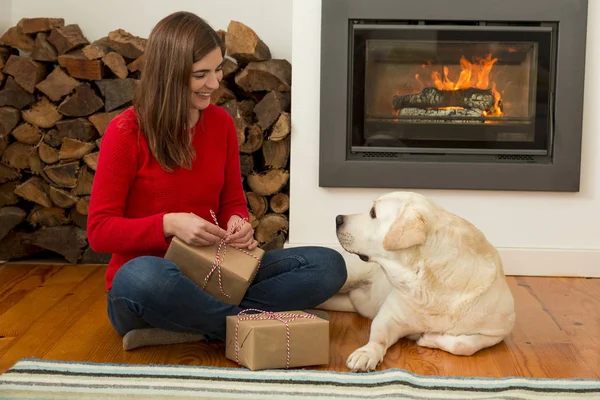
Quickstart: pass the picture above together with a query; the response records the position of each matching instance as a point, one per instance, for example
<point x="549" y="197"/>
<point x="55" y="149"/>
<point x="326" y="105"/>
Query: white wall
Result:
<point x="5" y="15"/>
<point x="270" y="19"/>
<point x="538" y="233"/>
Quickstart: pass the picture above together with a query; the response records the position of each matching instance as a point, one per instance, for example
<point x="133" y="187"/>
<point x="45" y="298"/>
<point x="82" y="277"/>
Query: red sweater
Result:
<point x="131" y="192"/>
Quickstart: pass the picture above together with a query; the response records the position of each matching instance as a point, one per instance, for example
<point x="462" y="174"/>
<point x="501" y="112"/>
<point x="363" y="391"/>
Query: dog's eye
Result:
<point x="372" y="213"/>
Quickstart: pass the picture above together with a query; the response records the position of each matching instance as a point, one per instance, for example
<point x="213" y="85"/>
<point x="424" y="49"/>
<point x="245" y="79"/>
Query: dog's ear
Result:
<point x="408" y="230"/>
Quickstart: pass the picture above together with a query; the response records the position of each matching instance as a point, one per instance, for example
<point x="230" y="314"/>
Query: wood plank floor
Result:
<point x="59" y="312"/>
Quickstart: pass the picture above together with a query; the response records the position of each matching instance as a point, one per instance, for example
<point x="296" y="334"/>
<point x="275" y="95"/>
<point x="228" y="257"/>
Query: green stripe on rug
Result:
<point x="39" y="379"/>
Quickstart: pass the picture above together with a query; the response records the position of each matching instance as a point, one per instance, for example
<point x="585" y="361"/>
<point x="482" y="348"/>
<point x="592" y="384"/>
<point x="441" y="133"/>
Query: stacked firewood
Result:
<point x="59" y="91"/>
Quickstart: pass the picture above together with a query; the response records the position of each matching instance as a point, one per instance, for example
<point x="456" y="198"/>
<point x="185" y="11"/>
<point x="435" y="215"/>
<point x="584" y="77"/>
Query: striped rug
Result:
<point x="35" y="379"/>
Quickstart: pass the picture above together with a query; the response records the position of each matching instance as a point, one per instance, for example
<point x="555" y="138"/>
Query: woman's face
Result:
<point x="206" y="75"/>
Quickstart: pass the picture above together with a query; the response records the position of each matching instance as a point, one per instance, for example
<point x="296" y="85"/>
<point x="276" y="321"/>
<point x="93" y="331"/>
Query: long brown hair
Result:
<point x="162" y="99"/>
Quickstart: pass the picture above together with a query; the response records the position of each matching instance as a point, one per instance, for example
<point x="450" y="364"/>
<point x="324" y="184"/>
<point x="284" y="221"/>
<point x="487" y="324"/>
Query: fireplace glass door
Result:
<point x="473" y="89"/>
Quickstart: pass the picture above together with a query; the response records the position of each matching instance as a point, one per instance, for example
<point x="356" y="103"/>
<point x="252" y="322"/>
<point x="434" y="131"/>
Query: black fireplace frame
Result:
<point x="560" y="171"/>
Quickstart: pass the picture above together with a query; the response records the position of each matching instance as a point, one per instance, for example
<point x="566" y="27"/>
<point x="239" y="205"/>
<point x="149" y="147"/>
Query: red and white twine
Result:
<point x="223" y="247"/>
<point x="284" y="317"/>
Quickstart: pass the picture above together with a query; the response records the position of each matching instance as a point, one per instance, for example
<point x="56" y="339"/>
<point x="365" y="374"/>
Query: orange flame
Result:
<point x="472" y="75"/>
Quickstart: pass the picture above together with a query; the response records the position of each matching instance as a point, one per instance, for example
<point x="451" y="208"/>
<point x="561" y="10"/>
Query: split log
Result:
<point x="14" y="37"/>
<point x="48" y="154"/>
<point x="63" y="175"/>
<point x="222" y="35"/>
<point x="247" y="164"/>
<point x="83" y="205"/>
<point x="43" y="50"/>
<point x="116" y="63"/>
<point x="17" y="244"/>
<point x="73" y="149"/>
<point x="276" y="154"/>
<point x="81" y="103"/>
<point x="269" y="182"/>
<point x="116" y="92"/>
<point x="252" y="220"/>
<point x="16" y="155"/>
<point x="85" y="181"/>
<point x="34" y="189"/>
<point x="57" y="85"/>
<point x="8" y="174"/>
<point x="68" y="241"/>
<point x="280" y="203"/>
<point x="10" y="217"/>
<point x="246" y="108"/>
<point x="270" y="107"/>
<point x="222" y="94"/>
<point x="43" y="114"/>
<point x="254" y="140"/>
<point x="91" y="160"/>
<point x="269" y="226"/>
<point x="79" y="128"/>
<point x="281" y="128"/>
<point x="482" y="99"/>
<point x="96" y="50"/>
<point x="2" y="76"/>
<point x="79" y="219"/>
<point x="27" y="73"/>
<point x="62" y="198"/>
<point x="14" y="95"/>
<point x="90" y="257"/>
<point x="67" y="38"/>
<point x="7" y="194"/>
<point x="240" y="126"/>
<point x="34" y="162"/>
<point x="9" y="118"/>
<point x="136" y="65"/>
<point x="230" y="67"/>
<point x="244" y="45"/>
<point x="270" y="75"/>
<point x="47" y="217"/>
<point x="35" y="25"/>
<point x="257" y="204"/>
<point x="101" y="120"/>
<point x="276" y="243"/>
<point x="27" y="133"/>
<point x="126" y="44"/>
<point x="79" y="66"/>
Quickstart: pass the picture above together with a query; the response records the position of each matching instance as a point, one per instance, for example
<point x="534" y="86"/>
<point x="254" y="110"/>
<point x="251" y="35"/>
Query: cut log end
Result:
<point x="269" y="182"/>
<point x="269" y="226"/>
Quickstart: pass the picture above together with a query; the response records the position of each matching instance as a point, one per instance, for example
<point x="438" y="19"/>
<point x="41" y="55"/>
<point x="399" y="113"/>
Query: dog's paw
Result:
<point x="364" y="359"/>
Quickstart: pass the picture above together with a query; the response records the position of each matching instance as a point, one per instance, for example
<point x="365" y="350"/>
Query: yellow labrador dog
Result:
<point x="436" y="280"/>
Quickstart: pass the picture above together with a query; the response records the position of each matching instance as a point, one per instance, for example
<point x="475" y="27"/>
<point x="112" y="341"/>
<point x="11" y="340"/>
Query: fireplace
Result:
<point x="476" y="95"/>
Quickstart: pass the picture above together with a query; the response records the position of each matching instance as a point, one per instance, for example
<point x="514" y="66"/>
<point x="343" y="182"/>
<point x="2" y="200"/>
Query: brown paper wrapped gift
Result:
<point x="237" y="268"/>
<point x="263" y="340"/>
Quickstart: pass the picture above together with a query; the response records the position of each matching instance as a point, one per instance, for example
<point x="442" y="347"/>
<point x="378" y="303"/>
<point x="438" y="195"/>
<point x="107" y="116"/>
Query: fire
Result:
<point x="472" y="75"/>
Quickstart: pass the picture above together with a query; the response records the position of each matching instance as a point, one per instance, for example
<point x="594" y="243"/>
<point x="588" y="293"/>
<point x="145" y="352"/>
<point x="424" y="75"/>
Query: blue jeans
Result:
<point x="151" y="291"/>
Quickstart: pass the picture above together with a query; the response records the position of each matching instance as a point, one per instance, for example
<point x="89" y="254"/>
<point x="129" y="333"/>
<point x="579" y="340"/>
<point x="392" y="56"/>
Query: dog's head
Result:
<point x="396" y="221"/>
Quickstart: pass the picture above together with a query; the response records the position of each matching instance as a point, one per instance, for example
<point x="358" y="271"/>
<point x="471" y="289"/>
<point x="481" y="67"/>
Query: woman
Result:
<point x="164" y="164"/>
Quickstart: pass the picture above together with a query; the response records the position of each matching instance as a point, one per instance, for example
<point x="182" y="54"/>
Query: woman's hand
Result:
<point x="192" y="229"/>
<point x="243" y="236"/>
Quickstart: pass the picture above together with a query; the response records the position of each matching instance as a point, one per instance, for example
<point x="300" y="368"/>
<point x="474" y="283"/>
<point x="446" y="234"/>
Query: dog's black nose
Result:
<point x="339" y="220"/>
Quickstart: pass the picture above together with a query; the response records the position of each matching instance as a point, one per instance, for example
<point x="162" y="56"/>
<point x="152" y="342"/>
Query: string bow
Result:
<point x="222" y="247"/>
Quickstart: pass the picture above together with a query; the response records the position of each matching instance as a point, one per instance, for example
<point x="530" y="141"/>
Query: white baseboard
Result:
<point x="530" y="262"/>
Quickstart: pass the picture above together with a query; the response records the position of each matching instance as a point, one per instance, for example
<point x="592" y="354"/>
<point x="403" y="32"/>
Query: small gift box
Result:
<point x="269" y="340"/>
<point x="222" y="271"/>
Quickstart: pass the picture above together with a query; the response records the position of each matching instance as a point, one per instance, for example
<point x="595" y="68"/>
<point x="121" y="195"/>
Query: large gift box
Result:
<point x="222" y="271"/>
<point x="268" y="340"/>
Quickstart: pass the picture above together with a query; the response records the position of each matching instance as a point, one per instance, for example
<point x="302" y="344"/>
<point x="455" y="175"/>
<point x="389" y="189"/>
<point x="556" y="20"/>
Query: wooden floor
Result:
<point x="59" y="312"/>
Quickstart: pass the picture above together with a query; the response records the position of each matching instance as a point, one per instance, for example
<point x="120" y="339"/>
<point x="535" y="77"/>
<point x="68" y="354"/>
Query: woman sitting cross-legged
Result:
<point x="164" y="164"/>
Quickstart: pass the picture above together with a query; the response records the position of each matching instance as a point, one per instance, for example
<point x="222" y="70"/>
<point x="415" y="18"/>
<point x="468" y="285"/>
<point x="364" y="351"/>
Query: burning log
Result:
<point x="481" y="99"/>
<point x="443" y="113"/>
